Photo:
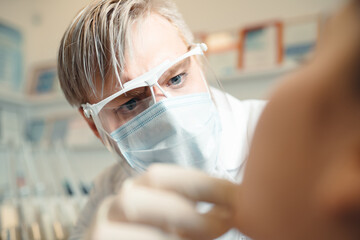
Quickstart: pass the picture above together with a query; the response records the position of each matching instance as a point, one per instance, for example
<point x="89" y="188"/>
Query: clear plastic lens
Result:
<point x="184" y="77"/>
<point x="124" y="108"/>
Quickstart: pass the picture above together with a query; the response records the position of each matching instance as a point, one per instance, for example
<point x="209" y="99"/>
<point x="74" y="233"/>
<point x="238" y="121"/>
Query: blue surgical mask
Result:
<point x="183" y="130"/>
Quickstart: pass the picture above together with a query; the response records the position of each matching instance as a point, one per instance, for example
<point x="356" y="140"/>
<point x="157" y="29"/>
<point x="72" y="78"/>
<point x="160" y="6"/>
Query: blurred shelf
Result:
<point x="41" y="105"/>
<point x="95" y="146"/>
<point x="21" y="99"/>
<point x="259" y="74"/>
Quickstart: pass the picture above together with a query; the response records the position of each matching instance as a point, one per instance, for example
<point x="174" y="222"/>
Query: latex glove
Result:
<point x="161" y="204"/>
<point x="105" y="228"/>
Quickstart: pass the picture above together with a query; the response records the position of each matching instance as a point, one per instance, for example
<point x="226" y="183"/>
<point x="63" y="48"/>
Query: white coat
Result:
<point x="245" y="113"/>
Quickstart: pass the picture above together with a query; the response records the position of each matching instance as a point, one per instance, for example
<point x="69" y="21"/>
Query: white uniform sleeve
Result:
<point x="256" y="107"/>
<point x="245" y="114"/>
<point x="249" y="115"/>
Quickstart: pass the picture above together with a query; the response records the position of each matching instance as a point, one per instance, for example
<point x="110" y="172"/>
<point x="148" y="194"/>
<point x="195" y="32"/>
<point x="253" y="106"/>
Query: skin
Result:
<point x="154" y="40"/>
<point x="302" y="179"/>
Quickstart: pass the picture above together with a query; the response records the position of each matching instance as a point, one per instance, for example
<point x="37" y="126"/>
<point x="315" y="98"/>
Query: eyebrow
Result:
<point x="173" y="69"/>
<point x="127" y="96"/>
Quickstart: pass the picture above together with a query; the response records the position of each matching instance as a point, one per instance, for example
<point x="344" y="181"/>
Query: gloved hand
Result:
<point x="161" y="204"/>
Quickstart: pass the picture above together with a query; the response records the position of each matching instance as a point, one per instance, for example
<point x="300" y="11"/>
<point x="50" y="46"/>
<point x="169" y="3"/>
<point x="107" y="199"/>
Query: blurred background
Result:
<point x="48" y="154"/>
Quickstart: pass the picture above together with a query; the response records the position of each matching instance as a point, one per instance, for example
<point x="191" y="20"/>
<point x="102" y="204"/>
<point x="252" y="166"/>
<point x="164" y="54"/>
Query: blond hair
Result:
<point x="94" y="44"/>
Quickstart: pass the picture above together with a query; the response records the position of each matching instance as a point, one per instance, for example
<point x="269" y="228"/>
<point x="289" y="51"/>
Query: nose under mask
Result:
<point x="182" y="130"/>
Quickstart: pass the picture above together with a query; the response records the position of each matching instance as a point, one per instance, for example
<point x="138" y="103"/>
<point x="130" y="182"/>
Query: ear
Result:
<point x="90" y="122"/>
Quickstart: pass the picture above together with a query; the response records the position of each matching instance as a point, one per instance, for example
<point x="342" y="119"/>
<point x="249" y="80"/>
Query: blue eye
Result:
<point x="176" y="80"/>
<point x="129" y="105"/>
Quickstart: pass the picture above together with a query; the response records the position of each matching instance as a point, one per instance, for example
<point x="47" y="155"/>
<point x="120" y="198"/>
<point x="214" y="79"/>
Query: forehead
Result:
<point x="154" y="40"/>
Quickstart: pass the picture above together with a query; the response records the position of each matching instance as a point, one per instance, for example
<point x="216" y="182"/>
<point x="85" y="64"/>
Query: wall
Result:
<point x="44" y="21"/>
<point x="214" y="14"/>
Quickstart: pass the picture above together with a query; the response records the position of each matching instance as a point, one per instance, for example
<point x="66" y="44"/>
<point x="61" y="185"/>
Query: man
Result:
<point x="302" y="179"/>
<point x="144" y="88"/>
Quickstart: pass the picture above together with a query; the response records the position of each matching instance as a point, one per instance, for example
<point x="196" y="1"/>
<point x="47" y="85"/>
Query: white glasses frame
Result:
<point x="149" y="79"/>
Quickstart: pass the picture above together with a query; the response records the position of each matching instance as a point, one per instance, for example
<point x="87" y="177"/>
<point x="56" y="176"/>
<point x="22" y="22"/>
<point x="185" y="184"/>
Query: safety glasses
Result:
<point x="172" y="78"/>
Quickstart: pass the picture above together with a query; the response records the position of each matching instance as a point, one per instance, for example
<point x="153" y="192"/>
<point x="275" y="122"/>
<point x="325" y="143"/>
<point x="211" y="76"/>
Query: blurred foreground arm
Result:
<point x="302" y="179"/>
